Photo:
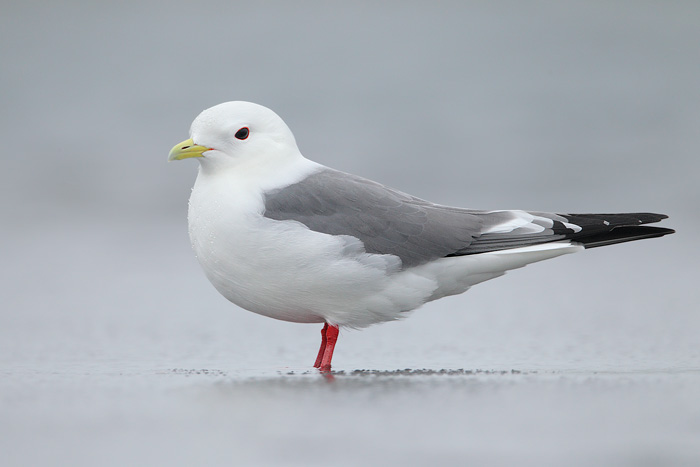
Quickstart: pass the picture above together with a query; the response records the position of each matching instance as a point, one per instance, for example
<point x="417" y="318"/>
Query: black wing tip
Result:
<point x="623" y="234"/>
<point x="623" y="218"/>
<point x="649" y="217"/>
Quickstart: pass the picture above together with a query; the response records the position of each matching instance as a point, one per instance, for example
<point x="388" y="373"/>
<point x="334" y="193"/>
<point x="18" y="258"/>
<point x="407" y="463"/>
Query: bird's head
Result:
<point x="237" y="134"/>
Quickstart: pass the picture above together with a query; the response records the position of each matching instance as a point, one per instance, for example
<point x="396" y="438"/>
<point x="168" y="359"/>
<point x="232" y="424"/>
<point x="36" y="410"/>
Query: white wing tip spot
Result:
<point x="573" y="227"/>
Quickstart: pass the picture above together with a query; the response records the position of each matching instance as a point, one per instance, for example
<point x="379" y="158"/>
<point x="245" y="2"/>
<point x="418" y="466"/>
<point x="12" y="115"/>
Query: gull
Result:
<point x="283" y="236"/>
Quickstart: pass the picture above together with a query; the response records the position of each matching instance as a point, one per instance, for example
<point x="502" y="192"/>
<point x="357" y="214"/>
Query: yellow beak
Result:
<point x="185" y="150"/>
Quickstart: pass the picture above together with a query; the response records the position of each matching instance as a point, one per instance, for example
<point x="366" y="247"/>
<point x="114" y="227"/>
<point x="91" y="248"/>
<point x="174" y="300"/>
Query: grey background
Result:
<point x="107" y="323"/>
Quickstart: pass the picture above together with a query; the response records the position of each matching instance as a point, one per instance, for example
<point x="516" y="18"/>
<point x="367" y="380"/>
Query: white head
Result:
<point x="235" y="135"/>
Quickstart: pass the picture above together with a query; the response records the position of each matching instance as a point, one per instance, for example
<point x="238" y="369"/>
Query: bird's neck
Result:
<point x="258" y="177"/>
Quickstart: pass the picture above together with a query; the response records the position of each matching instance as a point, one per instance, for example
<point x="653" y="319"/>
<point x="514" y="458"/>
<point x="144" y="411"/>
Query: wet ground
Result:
<point x="119" y="415"/>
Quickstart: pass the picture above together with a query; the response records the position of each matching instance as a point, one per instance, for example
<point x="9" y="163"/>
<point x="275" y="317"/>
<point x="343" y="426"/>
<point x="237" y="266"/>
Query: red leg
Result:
<point x="331" y="339"/>
<point x="322" y="350"/>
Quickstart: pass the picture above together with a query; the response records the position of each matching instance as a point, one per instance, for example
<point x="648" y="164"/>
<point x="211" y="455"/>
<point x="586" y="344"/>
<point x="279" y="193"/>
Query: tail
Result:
<point x="608" y="229"/>
<point x="517" y="229"/>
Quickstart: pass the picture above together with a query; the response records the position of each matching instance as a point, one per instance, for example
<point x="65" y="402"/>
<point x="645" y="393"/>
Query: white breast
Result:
<point x="283" y="270"/>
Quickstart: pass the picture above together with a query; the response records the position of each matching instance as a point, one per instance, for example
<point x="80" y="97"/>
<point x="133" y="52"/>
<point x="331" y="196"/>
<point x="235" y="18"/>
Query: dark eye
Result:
<point x="242" y="133"/>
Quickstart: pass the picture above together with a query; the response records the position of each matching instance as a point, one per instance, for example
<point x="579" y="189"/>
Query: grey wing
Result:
<point x="417" y="231"/>
<point x="385" y="220"/>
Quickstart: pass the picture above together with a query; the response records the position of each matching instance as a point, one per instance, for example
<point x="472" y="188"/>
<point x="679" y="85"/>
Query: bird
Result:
<point x="288" y="238"/>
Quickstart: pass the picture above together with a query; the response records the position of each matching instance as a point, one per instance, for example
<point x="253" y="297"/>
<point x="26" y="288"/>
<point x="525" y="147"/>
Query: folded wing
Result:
<point x="388" y="221"/>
